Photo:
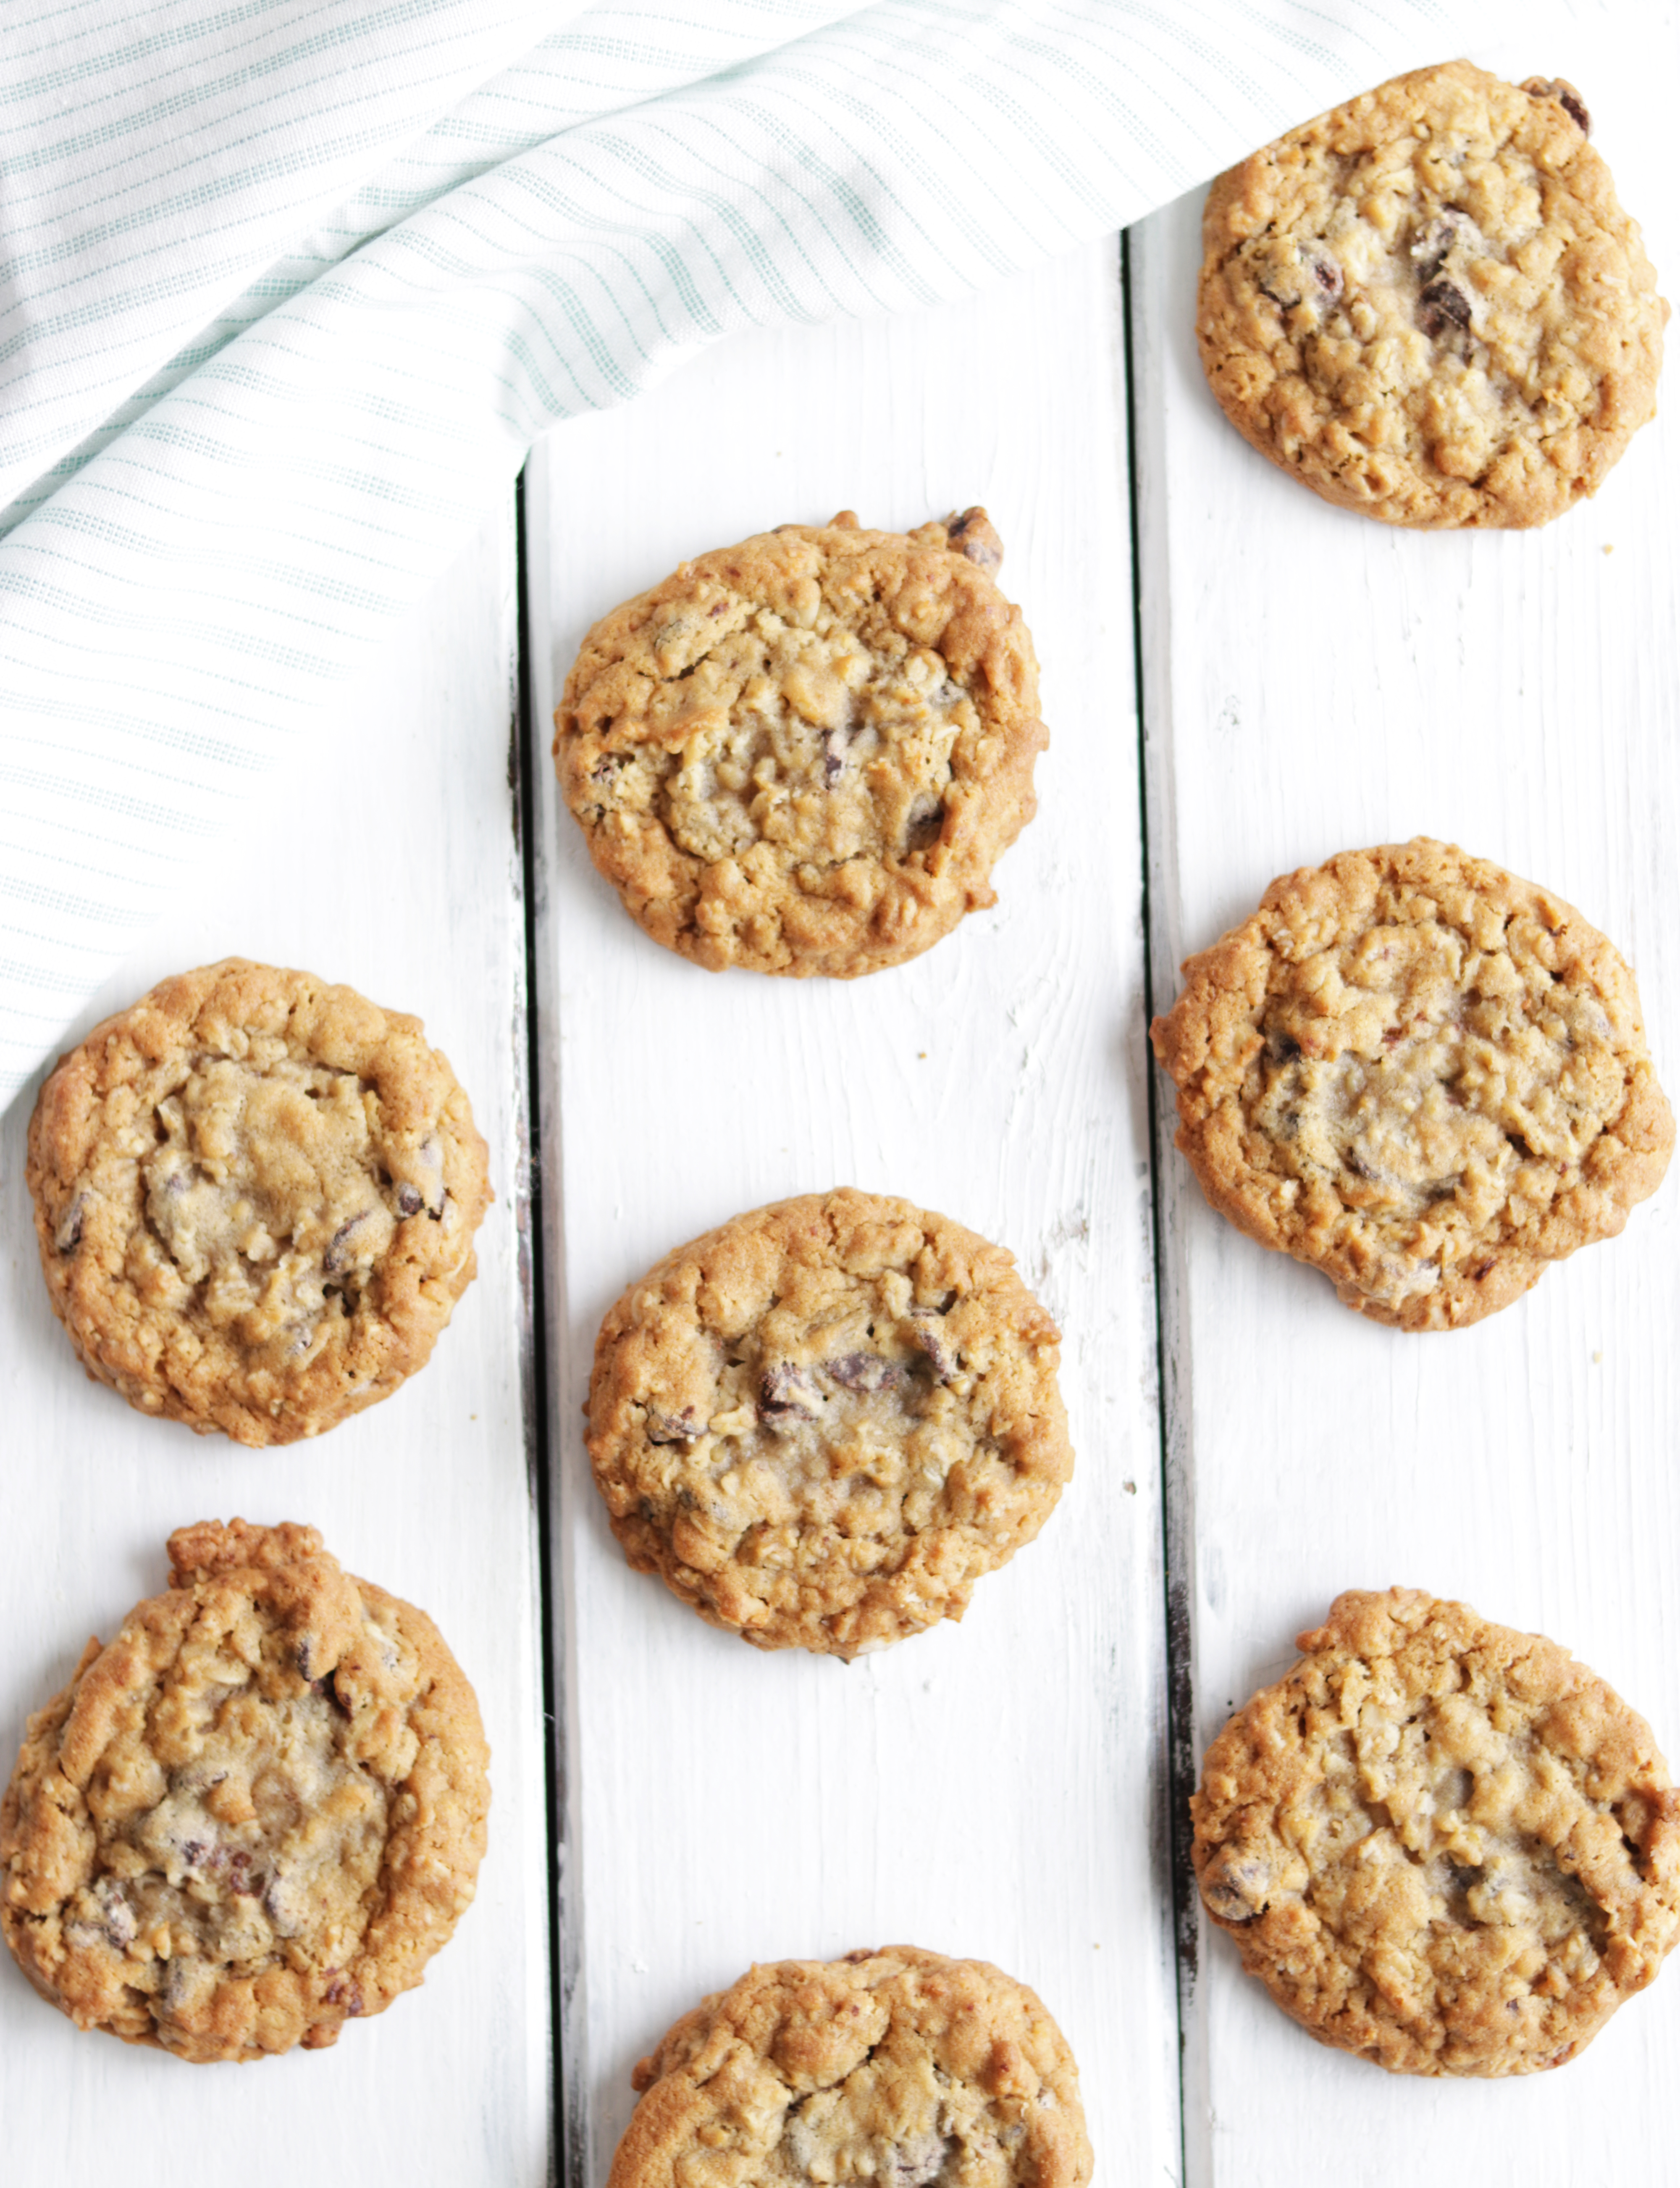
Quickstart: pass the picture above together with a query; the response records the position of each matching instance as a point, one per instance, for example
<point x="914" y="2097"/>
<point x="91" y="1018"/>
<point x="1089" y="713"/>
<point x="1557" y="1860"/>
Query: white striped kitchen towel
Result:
<point x="287" y="288"/>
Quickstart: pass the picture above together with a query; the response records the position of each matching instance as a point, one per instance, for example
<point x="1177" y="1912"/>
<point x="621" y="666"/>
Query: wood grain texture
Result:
<point x="385" y="858"/>
<point x="1315" y="682"/>
<point x="993" y="1790"/>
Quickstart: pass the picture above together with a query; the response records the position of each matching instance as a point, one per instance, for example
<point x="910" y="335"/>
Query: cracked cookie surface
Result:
<point x="1439" y="1843"/>
<point x="1429" y="306"/>
<point x="897" y="2067"/>
<point x="255" y="1197"/>
<point x="257" y="1815"/>
<point x="805" y="753"/>
<point x="822" y="1421"/>
<point x="1419" y="1074"/>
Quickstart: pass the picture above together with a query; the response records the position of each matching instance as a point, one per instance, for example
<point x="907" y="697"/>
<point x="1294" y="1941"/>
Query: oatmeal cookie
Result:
<point x="1439" y="1843"/>
<point x="897" y="2066"/>
<point x="1429" y="306"/>
<point x="255" y="1197"/>
<point x="1424" y="1076"/>
<point x="255" y="1815"/>
<point x="805" y="753"/>
<point x="821" y="1424"/>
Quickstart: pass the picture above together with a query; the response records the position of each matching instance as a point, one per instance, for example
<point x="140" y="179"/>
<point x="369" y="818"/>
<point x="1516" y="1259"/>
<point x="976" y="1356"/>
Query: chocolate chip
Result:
<point x="341" y="1991"/>
<point x="927" y="1331"/>
<point x="1328" y="276"/>
<point x="864" y="1372"/>
<point x="239" y="1872"/>
<point x="1434" y="247"/>
<point x="305" y="1655"/>
<point x="1285" y="299"/>
<point x="1566" y="96"/>
<point x="1235" y="1890"/>
<point x="341" y="1251"/>
<point x="674" y="1428"/>
<point x="787" y="1388"/>
<point x="1442" y="306"/>
<point x="833" y="757"/>
<point x="280" y="1906"/>
<point x="922" y="823"/>
<point x="68" y="1236"/>
<point x="974" y="534"/>
<point x="408" y="1202"/>
<point x="120" y="1924"/>
<point x="1281" y="1048"/>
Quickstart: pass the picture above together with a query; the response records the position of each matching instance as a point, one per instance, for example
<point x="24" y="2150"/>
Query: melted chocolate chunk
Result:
<point x="1442" y="306"/>
<point x="788" y="1390"/>
<point x="864" y="1372"/>
<point x="927" y="1331"/>
<point x="1237" y="1891"/>
<point x="1434" y="247"/>
<point x="922" y="824"/>
<point x="674" y="1428"/>
<point x="1539" y="86"/>
<point x="340" y="1254"/>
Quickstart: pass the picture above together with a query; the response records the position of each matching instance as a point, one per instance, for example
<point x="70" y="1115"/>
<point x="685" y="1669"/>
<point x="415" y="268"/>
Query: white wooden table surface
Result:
<point x="1012" y="1788"/>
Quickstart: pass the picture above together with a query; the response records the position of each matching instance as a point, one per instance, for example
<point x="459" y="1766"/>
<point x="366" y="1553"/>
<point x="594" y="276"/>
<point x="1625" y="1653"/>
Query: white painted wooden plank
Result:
<point x="993" y="1790"/>
<point x="1314" y="682"/>
<point x="385" y="859"/>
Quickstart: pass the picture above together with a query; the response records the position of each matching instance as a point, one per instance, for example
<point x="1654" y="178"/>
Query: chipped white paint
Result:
<point x="387" y="860"/>
<point x="993" y="1789"/>
<point x="1314" y="682"/>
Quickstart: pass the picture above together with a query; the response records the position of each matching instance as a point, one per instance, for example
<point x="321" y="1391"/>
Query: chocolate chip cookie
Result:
<point x="254" y="1196"/>
<point x="254" y="1816"/>
<point x="1440" y="1844"/>
<point x="822" y="1422"/>
<point x="1428" y="305"/>
<point x="899" y="2066"/>
<point x="1422" y="1075"/>
<point x="805" y="753"/>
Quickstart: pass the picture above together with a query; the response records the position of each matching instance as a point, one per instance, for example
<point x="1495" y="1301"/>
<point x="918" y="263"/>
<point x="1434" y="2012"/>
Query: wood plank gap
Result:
<point x="523" y="759"/>
<point x="1141" y="289"/>
<point x="1176" y="1575"/>
<point x="569" y="1990"/>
